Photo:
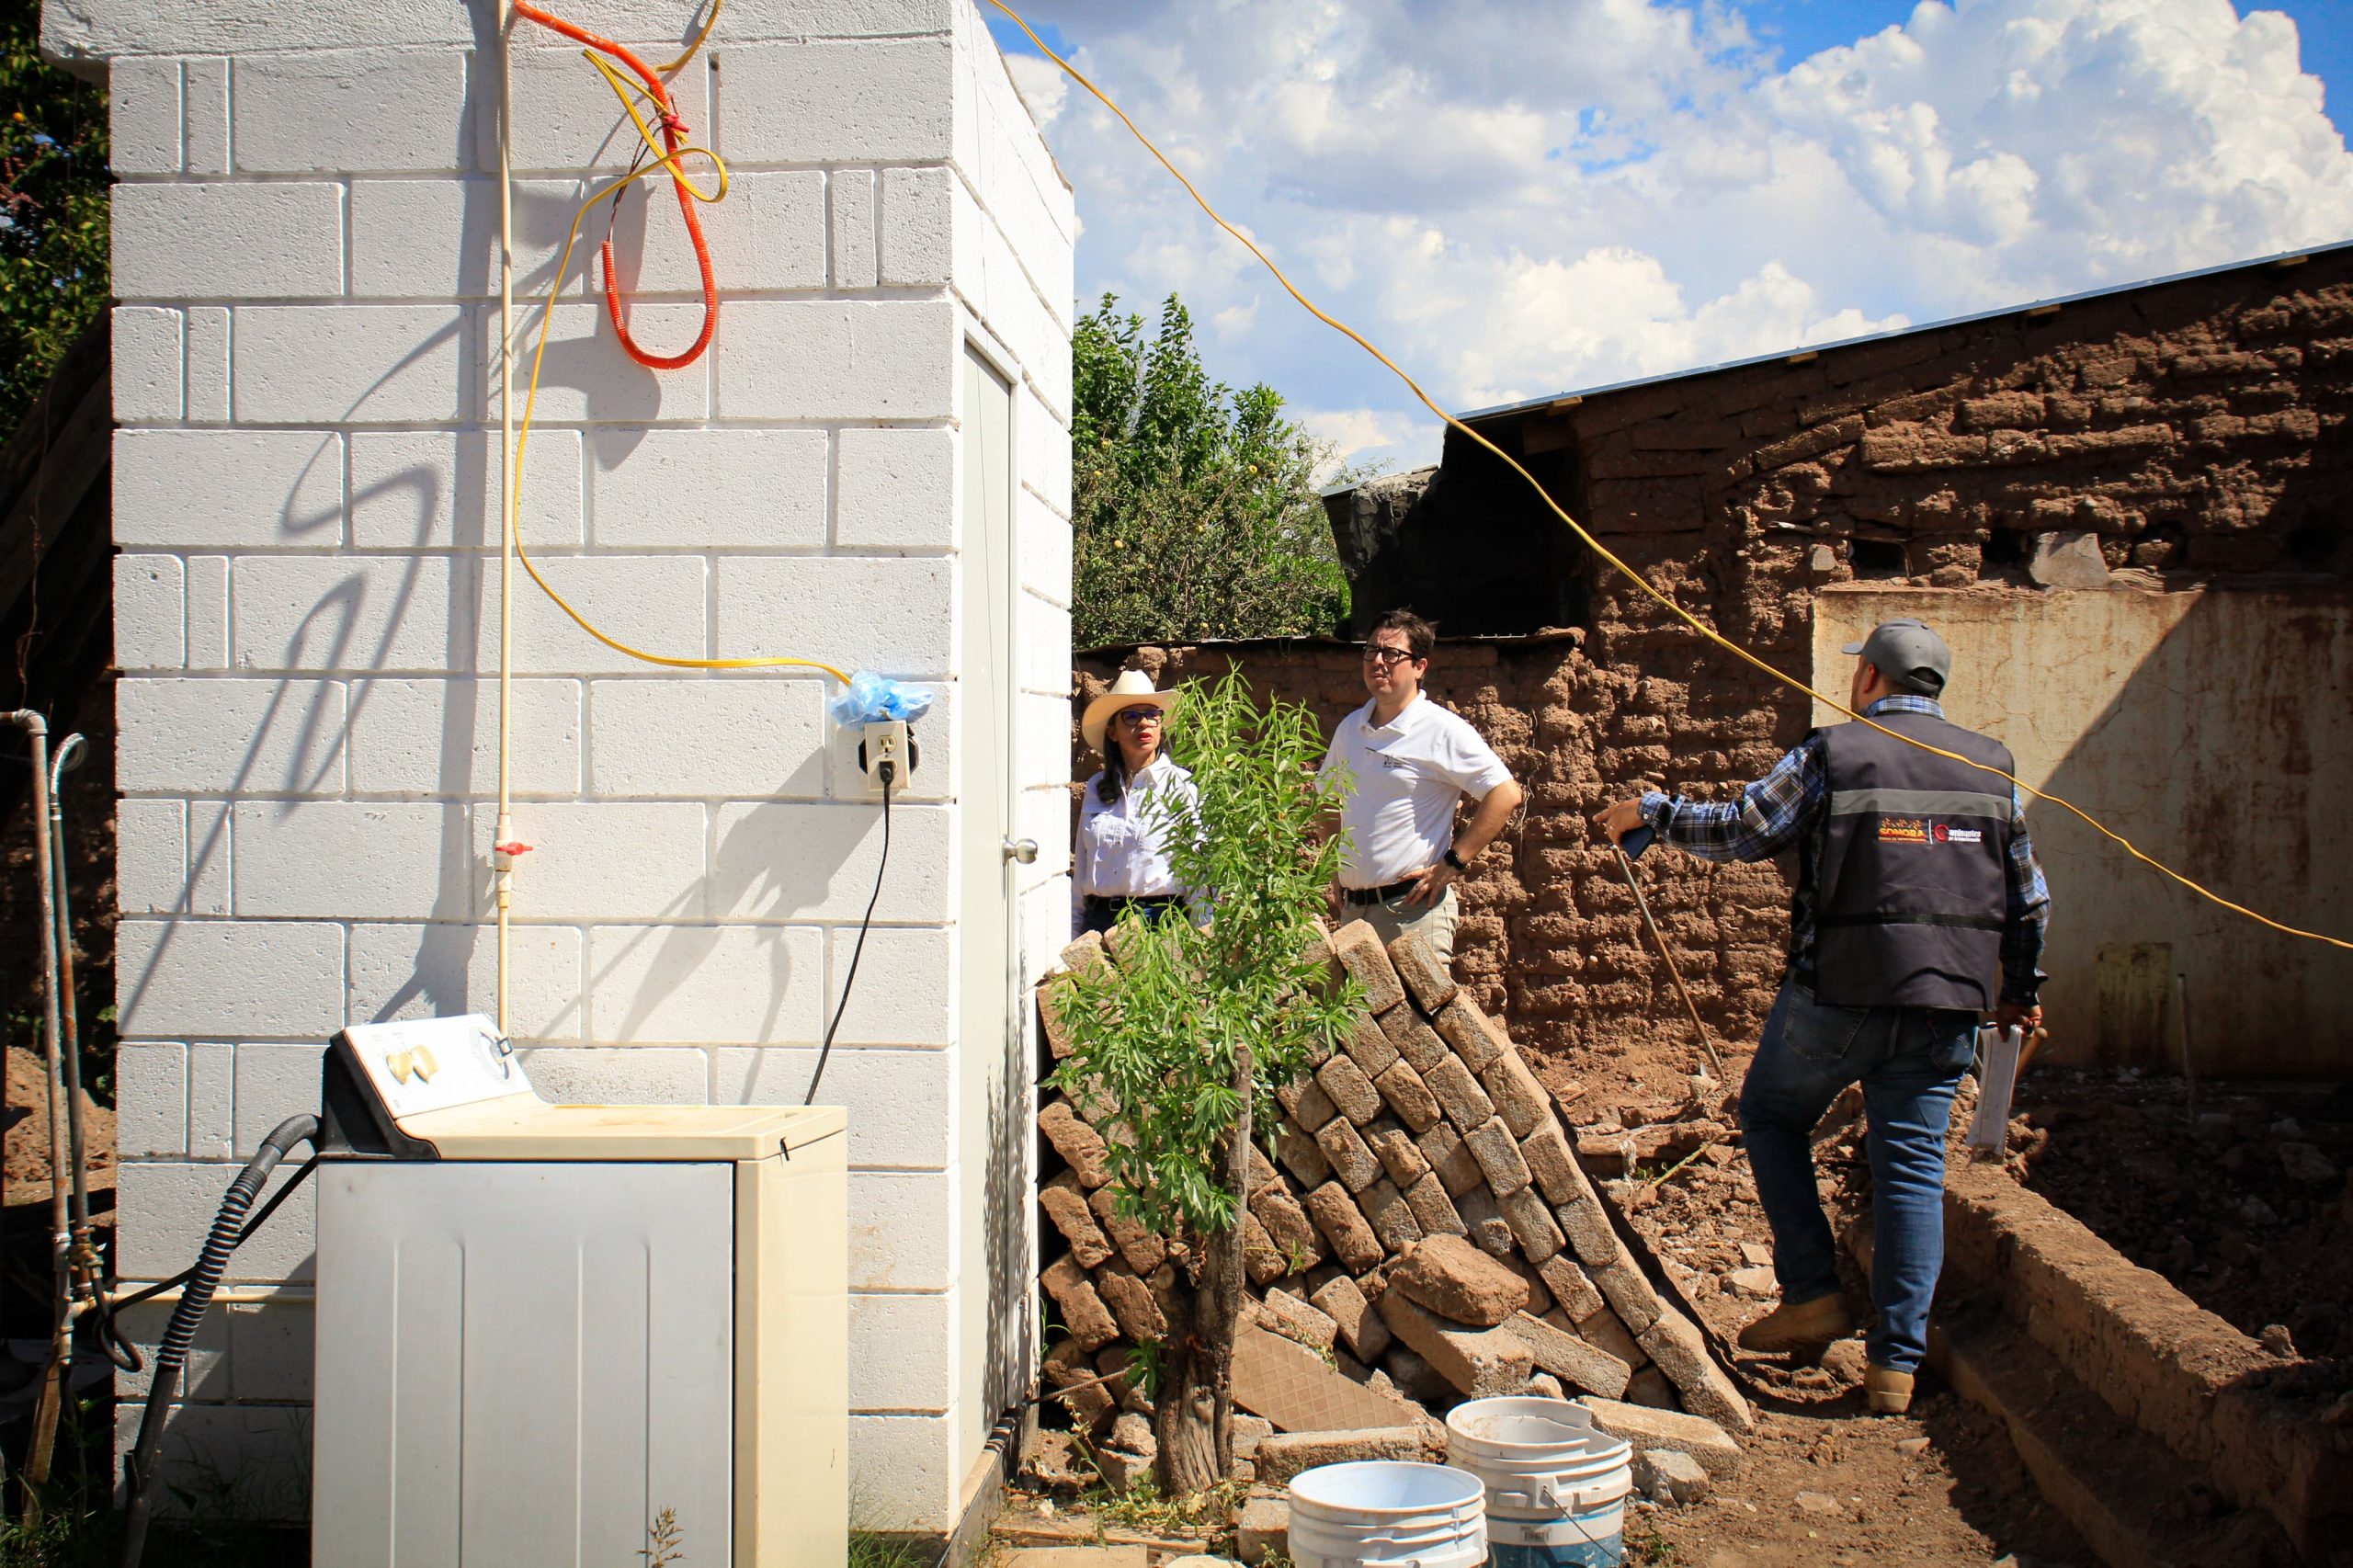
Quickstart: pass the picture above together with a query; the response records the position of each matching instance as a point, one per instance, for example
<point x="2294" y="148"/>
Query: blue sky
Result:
<point x="1523" y="197"/>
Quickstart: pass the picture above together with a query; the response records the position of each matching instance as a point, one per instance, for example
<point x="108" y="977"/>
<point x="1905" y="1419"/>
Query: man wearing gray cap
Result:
<point x="1919" y="906"/>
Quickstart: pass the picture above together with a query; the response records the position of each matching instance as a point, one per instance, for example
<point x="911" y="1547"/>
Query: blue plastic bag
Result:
<point x="871" y="698"/>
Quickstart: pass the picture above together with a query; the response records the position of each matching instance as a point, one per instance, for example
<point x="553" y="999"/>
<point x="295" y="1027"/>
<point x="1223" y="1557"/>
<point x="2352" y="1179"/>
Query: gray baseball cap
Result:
<point x="1911" y="656"/>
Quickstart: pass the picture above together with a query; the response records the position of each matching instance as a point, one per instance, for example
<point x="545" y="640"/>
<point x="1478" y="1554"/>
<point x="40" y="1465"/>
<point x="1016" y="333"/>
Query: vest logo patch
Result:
<point x="1903" y="830"/>
<point x="1959" y="834"/>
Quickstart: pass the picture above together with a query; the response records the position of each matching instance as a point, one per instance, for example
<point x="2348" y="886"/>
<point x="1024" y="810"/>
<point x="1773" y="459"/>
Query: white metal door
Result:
<point x="522" y="1366"/>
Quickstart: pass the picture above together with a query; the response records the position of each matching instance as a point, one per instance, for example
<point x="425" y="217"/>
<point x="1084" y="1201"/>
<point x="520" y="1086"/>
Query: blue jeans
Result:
<point x="1909" y="1061"/>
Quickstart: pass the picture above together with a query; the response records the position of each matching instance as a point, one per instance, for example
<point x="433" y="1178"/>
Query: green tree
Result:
<point x="52" y="211"/>
<point x="1184" y="1041"/>
<point x="1196" y="505"/>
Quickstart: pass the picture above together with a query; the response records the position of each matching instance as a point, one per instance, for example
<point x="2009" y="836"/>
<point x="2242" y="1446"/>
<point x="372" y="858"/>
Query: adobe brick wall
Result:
<point x="2192" y="430"/>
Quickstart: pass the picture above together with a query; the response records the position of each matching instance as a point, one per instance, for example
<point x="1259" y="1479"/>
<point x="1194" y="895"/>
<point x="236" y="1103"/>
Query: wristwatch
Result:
<point x="1455" y="861"/>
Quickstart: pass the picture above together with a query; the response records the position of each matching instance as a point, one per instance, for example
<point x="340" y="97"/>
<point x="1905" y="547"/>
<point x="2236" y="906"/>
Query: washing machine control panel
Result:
<point x="427" y="1064"/>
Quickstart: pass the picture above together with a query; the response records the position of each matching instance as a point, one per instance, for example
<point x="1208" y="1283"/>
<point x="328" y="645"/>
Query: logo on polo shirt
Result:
<point x="1903" y="830"/>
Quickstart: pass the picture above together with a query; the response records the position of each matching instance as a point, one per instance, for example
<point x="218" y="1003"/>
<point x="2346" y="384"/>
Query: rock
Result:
<point x="1756" y="1282"/>
<point x="1302" y="1156"/>
<point x="2276" y="1339"/>
<point x="1656" y="1430"/>
<point x="1485" y="1363"/>
<point x="1304" y="1101"/>
<point x="1076" y="1385"/>
<point x="1566" y="1356"/>
<point x="1846" y="1360"/>
<point x="1756" y="1254"/>
<point x="1669" y="1475"/>
<point x="1264" y="1528"/>
<point x="1458" y="1281"/>
<point x="1819" y="1503"/>
<point x="1133" y="1433"/>
<point x="1123" y="1470"/>
<point x="2306" y="1165"/>
<point x="1912" y="1448"/>
<point x="1084" y="953"/>
<point x="1284" y="1455"/>
<point x="2069" y="558"/>
<point x="1601" y="1327"/>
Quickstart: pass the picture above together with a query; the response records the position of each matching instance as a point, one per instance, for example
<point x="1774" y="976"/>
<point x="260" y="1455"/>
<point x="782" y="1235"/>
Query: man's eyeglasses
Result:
<point x="1387" y="658"/>
<point x="1137" y="718"/>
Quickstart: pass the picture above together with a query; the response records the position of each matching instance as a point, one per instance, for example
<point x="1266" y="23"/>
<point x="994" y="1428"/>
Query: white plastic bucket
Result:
<point x="1383" y="1512"/>
<point x="1556" y="1484"/>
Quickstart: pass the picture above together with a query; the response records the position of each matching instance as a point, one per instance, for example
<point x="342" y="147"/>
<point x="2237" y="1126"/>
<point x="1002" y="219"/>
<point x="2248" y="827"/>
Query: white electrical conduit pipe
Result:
<point x="503" y="840"/>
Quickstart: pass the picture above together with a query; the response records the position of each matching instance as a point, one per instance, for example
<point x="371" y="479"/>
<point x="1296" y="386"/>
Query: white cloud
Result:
<point x="1519" y="196"/>
<point x="1371" y="438"/>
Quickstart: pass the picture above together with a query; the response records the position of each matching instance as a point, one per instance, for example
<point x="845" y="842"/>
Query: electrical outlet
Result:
<point x="887" y="741"/>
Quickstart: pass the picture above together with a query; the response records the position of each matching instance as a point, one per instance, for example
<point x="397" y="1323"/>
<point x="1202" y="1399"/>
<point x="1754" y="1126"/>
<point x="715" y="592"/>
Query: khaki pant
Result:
<point x="1393" y="919"/>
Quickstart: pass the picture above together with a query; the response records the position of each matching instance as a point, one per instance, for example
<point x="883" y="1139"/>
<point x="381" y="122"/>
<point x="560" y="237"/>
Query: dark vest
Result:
<point x="1914" y="889"/>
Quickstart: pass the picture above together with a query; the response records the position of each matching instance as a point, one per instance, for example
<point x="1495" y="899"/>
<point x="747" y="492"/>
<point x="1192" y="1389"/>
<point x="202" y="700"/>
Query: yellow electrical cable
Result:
<point x="662" y="160"/>
<point x="695" y="48"/>
<point x="1603" y="550"/>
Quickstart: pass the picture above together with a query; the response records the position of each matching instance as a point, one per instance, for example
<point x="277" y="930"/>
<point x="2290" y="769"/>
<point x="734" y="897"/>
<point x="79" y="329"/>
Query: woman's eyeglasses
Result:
<point x="1137" y="718"/>
<point x="1387" y="658"/>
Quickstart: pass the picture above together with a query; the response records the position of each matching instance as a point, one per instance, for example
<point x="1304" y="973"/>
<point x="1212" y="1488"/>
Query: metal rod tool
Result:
<point x="1699" y="1030"/>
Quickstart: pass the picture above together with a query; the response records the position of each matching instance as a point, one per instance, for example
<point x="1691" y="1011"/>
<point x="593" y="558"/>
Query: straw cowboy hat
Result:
<point x="1133" y="689"/>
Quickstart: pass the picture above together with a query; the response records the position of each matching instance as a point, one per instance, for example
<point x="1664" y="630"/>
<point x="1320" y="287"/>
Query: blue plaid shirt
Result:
<point x="1791" y="803"/>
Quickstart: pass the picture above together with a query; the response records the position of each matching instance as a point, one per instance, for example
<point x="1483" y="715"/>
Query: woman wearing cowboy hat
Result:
<point x="1122" y="859"/>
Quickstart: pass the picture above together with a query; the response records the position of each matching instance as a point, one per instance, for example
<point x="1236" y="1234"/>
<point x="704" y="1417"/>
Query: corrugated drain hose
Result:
<point x="179" y="1333"/>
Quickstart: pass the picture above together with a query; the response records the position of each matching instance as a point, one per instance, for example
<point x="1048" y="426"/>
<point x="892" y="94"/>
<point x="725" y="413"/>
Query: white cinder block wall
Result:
<point x="305" y="250"/>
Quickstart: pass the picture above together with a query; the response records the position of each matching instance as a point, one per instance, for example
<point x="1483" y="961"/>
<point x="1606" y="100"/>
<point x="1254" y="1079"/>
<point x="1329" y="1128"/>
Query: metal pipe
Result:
<point x="61" y="1240"/>
<point x="82" y="1257"/>
<point x="501" y="856"/>
<point x="1699" y="1030"/>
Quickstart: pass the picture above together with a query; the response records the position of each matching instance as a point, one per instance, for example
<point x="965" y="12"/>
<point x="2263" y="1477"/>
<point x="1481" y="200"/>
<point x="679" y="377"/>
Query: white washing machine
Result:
<point x="572" y="1335"/>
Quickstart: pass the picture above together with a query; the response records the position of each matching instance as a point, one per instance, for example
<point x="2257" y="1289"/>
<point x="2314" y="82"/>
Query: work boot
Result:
<point x="1794" y="1324"/>
<point x="1890" y="1390"/>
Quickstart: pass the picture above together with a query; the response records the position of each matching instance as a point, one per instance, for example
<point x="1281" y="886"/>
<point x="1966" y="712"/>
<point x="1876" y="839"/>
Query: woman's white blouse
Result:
<point x="1122" y="846"/>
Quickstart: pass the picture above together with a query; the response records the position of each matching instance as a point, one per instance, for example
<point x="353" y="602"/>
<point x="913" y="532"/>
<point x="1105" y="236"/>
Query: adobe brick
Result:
<point x="1416" y="1041"/>
<point x="1368" y="1047"/>
<point x="1083" y="1313"/>
<point x="1306" y="1102"/>
<point x="1408" y="1096"/>
<point x="1390" y="1216"/>
<point x="1629" y="1295"/>
<point x="1080" y="1145"/>
<point x="1066" y="1205"/>
<point x="1428" y="979"/>
<point x="1288" y="1226"/>
<point x="1359" y="949"/>
<point x="1474" y="1036"/>
<point x="1532" y="1223"/>
<point x="1131" y="1305"/>
<point x="1572" y="1291"/>
<point x="1356" y="1165"/>
<point x="1557" y="1174"/>
<point x="1520" y="1099"/>
<point x="1345" y="1083"/>
<point x="1336" y="1214"/>
<point x="1139" y="1249"/>
<point x="1443" y="1147"/>
<point x="1459" y="1095"/>
<point x="1395" y="1149"/>
<point x="1433" y="1210"/>
<point x="1497" y="1152"/>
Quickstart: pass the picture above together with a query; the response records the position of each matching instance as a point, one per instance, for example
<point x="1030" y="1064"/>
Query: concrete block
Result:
<point x="1394" y="1147"/>
<point x="150" y="612"/>
<point x="1350" y="1158"/>
<point x="353" y="111"/>
<point x="1679" y="1350"/>
<point x="1459" y="1095"/>
<point x="1476" y="1039"/>
<point x="228" y="489"/>
<point x="899" y="1352"/>
<point x="1532" y="1223"/>
<point x="1390" y="1216"/>
<point x="891" y="1004"/>
<point x="245" y="737"/>
<point x="918" y="1453"/>
<point x="1485" y="1363"/>
<point x="1429" y="978"/>
<point x="827" y="101"/>
<point x="204" y="241"/>
<point x="1433" y="1210"/>
<point x="629" y="1075"/>
<point x="338" y="860"/>
<point x="1450" y="1158"/>
<point x="213" y="1102"/>
<point x="892" y="616"/>
<point x="895" y="490"/>
<point x="432" y="736"/>
<point x="151" y="857"/>
<point x="1554" y="1166"/>
<point x="1041" y="810"/>
<point x="1336" y="1214"/>
<point x="352" y="365"/>
<point x="1566" y="1357"/>
<point x="566" y="119"/>
<point x="838" y="359"/>
<point x="588" y="378"/>
<point x="1408" y="1096"/>
<point x="718" y="985"/>
<point x="208" y="612"/>
<point x="205" y="384"/>
<point x="1286" y="1454"/>
<point x="204" y="1375"/>
<point x="279" y="979"/>
<point x="148" y="365"/>
<point x="438" y="239"/>
<point x="761" y="737"/>
<point x="1359" y="949"/>
<point x="204" y="97"/>
<point x="150" y="1099"/>
<point x="143" y="115"/>
<point x="653" y="602"/>
<point x="843" y="842"/>
<point x="402" y="971"/>
<point x="1575" y="1295"/>
<point x="273" y="1082"/>
<point x="1348" y="1088"/>
<point x="753" y="489"/>
<point x="916" y="223"/>
<point x="899" y="1230"/>
<point x="1629" y="1295"/>
<point x="1368" y="1047"/>
<point x="852" y="210"/>
<point x="1491" y="1144"/>
<point x="443" y="490"/>
<point x="1520" y="1099"/>
<point x="604" y="859"/>
<point x="208" y="844"/>
<point x="176" y="1202"/>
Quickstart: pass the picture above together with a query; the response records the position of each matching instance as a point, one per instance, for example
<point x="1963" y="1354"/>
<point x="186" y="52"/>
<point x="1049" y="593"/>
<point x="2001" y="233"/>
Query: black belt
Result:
<point x="1379" y="895"/>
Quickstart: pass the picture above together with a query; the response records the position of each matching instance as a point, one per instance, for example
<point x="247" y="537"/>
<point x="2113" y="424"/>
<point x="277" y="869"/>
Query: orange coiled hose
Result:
<point x="673" y="138"/>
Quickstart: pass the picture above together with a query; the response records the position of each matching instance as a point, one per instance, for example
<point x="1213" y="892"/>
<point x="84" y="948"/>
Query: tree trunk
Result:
<point x="1193" y="1413"/>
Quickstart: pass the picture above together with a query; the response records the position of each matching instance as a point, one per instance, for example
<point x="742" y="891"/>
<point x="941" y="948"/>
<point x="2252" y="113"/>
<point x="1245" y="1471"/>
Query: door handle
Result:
<point x="1022" y="849"/>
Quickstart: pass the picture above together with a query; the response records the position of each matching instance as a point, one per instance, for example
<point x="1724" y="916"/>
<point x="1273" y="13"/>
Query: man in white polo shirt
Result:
<point x="1412" y="761"/>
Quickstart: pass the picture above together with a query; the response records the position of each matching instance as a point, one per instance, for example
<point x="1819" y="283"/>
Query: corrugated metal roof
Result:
<point x="1530" y="404"/>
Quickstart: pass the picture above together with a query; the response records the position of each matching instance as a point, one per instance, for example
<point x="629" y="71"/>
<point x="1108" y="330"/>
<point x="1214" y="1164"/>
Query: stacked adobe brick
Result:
<point x="1427" y="1123"/>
